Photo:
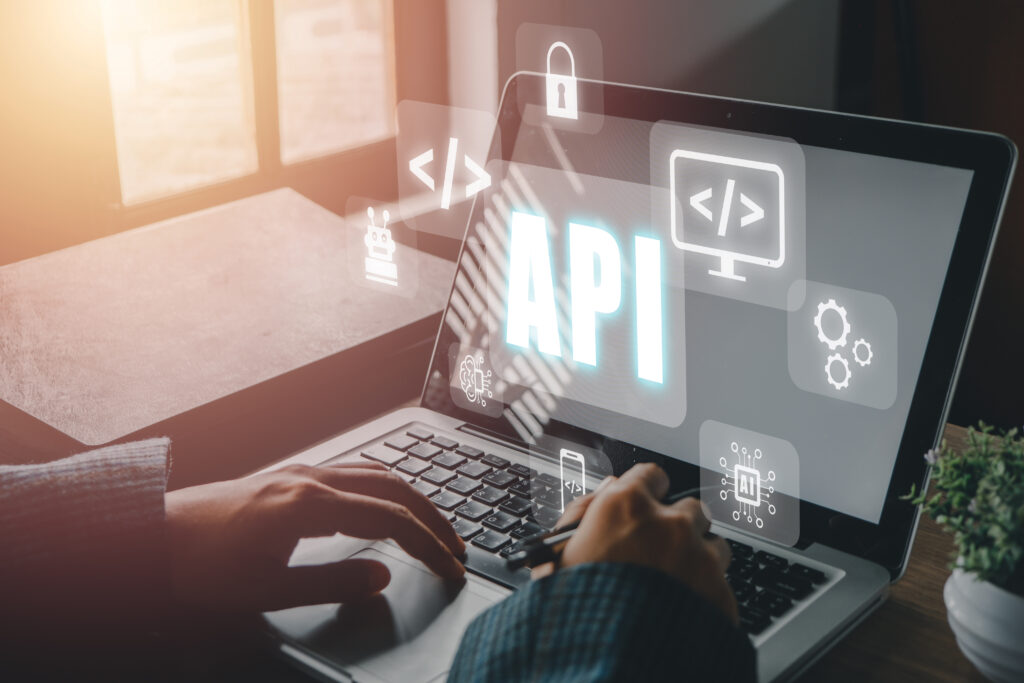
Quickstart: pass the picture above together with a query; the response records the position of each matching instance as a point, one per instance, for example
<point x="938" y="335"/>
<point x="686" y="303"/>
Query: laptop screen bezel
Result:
<point x="991" y="157"/>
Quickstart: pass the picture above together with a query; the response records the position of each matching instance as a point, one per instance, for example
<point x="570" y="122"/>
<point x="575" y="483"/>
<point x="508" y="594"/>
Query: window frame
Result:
<point x="420" y="67"/>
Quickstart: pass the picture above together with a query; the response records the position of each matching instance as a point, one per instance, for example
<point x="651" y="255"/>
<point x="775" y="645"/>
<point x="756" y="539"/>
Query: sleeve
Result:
<point x="604" y="622"/>
<point x="83" y="540"/>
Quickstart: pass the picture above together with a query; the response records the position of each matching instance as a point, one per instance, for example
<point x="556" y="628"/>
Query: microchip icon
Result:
<point x="748" y="485"/>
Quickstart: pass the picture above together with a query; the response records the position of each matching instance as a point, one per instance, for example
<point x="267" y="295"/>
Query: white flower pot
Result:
<point x="988" y="623"/>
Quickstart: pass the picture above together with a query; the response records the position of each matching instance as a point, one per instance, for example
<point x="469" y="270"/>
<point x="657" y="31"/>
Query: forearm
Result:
<point x="82" y="538"/>
<point x="604" y="622"/>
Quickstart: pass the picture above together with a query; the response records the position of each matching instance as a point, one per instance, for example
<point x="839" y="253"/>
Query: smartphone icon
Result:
<point x="573" y="484"/>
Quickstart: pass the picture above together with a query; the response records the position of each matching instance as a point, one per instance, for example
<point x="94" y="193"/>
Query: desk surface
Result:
<point x="106" y="338"/>
<point x="908" y="637"/>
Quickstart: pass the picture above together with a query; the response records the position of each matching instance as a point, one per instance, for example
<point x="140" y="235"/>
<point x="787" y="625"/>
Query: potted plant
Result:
<point x="979" y="499"/>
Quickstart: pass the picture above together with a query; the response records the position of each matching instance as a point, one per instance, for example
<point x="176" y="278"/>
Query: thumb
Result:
<point x="345" y="581"/>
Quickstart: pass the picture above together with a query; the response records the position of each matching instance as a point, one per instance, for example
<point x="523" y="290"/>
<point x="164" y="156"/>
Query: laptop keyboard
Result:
<point x="493" y="502"/>
<point x="767" y="586"/>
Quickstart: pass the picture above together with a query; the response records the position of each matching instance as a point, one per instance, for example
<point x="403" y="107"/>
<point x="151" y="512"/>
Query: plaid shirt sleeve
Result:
<point x="604" y="622"/>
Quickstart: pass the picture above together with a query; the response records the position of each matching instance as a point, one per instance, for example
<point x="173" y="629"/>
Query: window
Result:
<point x="335" y="75"/>
<point x="181" y="91"/>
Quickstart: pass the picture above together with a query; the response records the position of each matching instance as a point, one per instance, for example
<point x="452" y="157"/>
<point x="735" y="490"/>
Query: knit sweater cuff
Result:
<point x="83" y="537"/>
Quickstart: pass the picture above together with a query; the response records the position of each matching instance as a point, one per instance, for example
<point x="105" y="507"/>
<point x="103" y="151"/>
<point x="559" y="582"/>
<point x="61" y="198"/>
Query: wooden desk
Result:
<point x="908" y="637"/>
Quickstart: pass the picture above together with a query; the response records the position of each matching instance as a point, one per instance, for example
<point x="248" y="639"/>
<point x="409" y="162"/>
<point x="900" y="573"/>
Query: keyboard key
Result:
<point x="772" y="603"/>
<point x="449" y="461"/>
<point x="444" y="442"/>
<point x="516" y="506"/>
<point x="473" y="511"/>
<point x="546" y="517"/>
<point x="520" y="470"/>
<point x="436" y="475"/>
<point x="420" y="433"/>
<point x="744" y="591"/>
<point x="474" y="470"/>
<point x="425" y="451"/>
<point x="446" y="500"/>
<point x="509" y="549"/>
<point x="804" y="572"/>
<point x="740" y="549"/>
<point x="469" y="451"/>
<point x="463" y="485"/>
<point x="490" y="495"/>
<point x="407" y="478"/>
<point x="491" y="541"/>
<point x="383" y="454"/>
<point x="754" y="624"/>
<point x="401" y="442"/>
<point x="413" y="466"/>
<point x="548" y="480"/>
<point x="550" y="497"/>
<point x="790" y="586"/>
<point x="521" y="488"/>
<point x="501" y="521"/>
<point x="466" y="529"/>
<point x="499" y="479"/>
<point x="762" y="557"/>
<point x="527" y="529"/>
<point x="494" y="461"/>
<point x="426" y="488"/>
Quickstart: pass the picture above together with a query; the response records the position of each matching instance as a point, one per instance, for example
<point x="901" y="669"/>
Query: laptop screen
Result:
<point x="704" y="294"/>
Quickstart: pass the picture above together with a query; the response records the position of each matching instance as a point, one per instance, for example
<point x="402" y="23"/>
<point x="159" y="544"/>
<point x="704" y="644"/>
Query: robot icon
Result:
<point x="380" y="247"/>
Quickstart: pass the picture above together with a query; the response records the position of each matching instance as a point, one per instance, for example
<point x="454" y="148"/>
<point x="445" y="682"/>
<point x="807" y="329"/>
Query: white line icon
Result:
<point x="746" y="484"/>
<point x="574" y="486"/>
<point x="380" y="249"/>
<point x="482" y="178"/>
<point x="727" y="247"/>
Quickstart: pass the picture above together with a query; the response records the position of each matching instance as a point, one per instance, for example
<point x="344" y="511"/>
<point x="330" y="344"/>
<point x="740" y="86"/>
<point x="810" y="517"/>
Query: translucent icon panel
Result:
<point x="559" y="473"/>
<point x="381" y="251"/>
<point x="843" y="344"/>
<point x="473" y="383"/>
<point x="441" y="152"/>
<point x="750" y="481"/>
<point x="734" y="213"/>
<point x="564" y="55"/>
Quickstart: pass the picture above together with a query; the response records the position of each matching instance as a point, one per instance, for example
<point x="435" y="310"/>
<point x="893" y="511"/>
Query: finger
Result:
<point x="367" y="517"/>
<point x="696" y="511"/>
<point x="575" y="509"/>
<point x="648" y="477"/>
<point x="390" y="487"/>
<point x="542" y="570"/>
<point x="721" y="551"/>
<point x="362" y="465"/>
<point x="345" y="581"/>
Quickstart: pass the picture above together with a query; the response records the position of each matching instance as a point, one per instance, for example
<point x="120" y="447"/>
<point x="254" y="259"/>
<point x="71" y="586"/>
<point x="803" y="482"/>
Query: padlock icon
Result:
<point x="561" y="88"/>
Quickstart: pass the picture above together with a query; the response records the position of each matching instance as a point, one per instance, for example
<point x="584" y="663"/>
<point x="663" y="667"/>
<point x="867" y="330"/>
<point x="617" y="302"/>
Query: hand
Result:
<point x="624" y="521"/>
<point x="230" y="541"/>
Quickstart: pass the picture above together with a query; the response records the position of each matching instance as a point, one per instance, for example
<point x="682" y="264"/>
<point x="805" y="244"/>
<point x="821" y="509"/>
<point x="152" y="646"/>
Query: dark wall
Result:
<point x="968" y="63"/>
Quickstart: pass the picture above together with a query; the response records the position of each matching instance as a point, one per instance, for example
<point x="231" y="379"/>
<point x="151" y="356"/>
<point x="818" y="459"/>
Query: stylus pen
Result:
<point x="547" y="546"/>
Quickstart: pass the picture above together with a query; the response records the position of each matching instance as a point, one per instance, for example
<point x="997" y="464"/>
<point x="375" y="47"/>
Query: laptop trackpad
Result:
<point x="409" y="632"/>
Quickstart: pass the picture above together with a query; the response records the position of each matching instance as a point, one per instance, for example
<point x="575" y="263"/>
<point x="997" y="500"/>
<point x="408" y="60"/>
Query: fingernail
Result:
<point x="705" y="510"/>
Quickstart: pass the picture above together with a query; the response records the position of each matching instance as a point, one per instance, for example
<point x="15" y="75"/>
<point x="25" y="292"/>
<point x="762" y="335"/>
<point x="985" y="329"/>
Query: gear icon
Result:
<point x="831" y="305"/>
<point x="862" y="344"/>
<point x="838" y="384"/>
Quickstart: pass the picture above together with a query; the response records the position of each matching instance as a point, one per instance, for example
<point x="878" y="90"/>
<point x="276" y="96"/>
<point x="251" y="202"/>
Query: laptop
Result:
<point x="770" y="302"/>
